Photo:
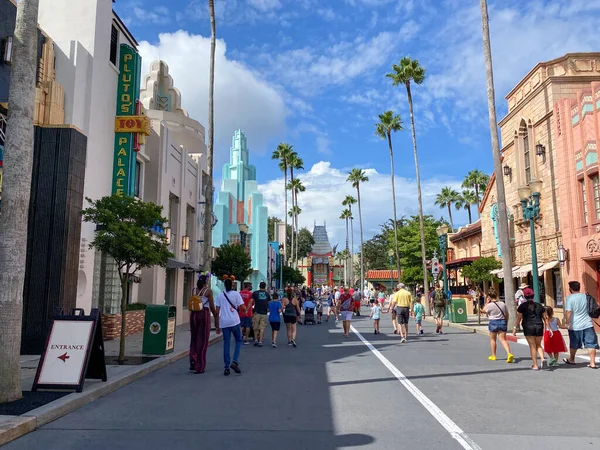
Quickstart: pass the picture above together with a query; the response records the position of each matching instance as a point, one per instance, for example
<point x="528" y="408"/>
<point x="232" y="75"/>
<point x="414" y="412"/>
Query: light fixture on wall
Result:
<point x="508" y="171"/>
<point x="8" y="49"/>
<point x="168" y="235"/>
<point x="563" y="255"/>
<point x="185" y="243"/>
<point x="540" y="150"/>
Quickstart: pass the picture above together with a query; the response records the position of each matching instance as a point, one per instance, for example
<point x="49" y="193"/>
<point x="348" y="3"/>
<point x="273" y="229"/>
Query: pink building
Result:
<point x="577" y="133"/>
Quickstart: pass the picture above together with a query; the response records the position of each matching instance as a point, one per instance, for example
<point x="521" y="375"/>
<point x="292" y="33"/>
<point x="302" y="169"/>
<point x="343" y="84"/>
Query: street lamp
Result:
<point x="391" y="255"/>
<point x="442" y="232"/>
<point x="530" y="203"/>
<point x="185" y="243"/>
<point x="281" y="267"/>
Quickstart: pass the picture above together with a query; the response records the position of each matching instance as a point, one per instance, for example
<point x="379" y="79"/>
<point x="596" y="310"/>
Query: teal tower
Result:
<point x="241" y="215"/>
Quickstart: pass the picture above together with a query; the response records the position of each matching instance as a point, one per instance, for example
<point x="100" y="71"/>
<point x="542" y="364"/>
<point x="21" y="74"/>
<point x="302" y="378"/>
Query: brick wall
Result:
<point x="111" y="324"/>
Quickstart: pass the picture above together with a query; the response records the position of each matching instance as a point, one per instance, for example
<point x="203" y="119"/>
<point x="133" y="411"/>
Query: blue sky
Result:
<point x="312" y="73"/>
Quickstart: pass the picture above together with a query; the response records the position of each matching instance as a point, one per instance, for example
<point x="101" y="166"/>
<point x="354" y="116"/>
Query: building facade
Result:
<point x="172" y="171"/>
<point x="240" y="214"/>
<point x="464" y="247"/>
<point x="530" y="153"/>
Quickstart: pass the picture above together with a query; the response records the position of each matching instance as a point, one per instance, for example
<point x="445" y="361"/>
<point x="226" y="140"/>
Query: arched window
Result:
<point x="526" y="155"/>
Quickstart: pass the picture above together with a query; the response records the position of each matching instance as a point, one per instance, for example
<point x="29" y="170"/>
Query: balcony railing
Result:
<point x="3" y="121"/>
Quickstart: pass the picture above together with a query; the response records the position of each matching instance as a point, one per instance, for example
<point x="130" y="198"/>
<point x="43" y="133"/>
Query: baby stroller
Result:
<point x="309" y="316"/>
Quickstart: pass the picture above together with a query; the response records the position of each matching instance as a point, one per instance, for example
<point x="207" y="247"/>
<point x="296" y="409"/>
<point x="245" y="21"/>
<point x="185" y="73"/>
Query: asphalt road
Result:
<point x="434" y="392"/>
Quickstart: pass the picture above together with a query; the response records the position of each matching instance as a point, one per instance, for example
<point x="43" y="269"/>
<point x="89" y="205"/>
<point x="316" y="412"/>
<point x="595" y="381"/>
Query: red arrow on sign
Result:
<point x="64" y="357"/>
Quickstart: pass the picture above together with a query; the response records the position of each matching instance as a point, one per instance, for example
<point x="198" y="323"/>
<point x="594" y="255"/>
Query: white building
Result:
<point x="89" y="40"/>
<point x="175" y="166"/>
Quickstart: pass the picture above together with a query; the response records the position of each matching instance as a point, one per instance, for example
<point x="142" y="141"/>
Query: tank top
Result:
<point x="554" y="324"/>
<point x="290" y="309"/>
<point x="204" y="298"/>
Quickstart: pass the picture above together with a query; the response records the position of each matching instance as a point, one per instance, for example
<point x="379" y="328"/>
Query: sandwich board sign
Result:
<point x="74" y="351"/>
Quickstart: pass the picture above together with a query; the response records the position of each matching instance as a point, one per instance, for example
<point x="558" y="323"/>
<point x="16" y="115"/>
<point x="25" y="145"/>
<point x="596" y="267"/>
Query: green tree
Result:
<point x="305" y="242"/>
<point x="356" y="177"/>
<point x="283" y="153"/>
<point x="291" y="275"/>
<point x="389" y="122"/>
<point x="465" y="200"/>
<point x="479" y="272"/>
<point x="295" y="186"/>
<point x="231" y="259"/>
<point x="476" y="180"/>
<point x="446" y="198"/>
<point x="346" y="215"/>
<point x="125" y="231"/>
<point x="407" y="72"/>
<point x="18" y="160"/>
<point x="376" y="249"/>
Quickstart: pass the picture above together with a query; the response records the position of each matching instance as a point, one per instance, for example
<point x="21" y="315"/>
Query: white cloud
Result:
<point x="158" y="15"/>
<point x="323" y="145"/>
<point x="265" y="5"/>
<point x="242" y="98"/>
<point x="326" y="187"/>
<point x="326" y="13"/>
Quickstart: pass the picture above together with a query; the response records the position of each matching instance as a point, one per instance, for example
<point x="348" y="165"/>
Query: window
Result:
<point x="138" y="177"/>
<point x="526" y="155"/>
<point x="596" y="184"/>
<point x="584" y="198"/>
<point x="114" y="43"/>
<point x="234" y="239"/>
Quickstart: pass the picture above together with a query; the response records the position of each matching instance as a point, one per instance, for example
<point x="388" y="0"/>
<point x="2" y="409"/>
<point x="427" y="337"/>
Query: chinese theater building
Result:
<point x="319" y="264"/>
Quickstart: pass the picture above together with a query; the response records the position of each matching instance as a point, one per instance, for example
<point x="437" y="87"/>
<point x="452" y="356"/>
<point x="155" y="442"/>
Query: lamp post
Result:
<point x="530" y="203"/>
<point x="391" y="255"/>
<point x="442" y="232"/>
<point x="281" y="267"/>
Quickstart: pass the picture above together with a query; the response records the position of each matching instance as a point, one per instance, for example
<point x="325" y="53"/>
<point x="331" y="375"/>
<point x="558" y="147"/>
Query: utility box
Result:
<point x="458" y="310"/>
<point x="159" y="329"/>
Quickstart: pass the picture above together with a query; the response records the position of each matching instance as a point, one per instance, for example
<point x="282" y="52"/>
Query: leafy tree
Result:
<point x="291" y="275"/>
<point x="376" y="250"/>
<point x="446" y="198"/>
<point x="305" y="242"/>
<point x="479" y="270"/>
<point x="231" y="259"/>
<point x="126" y="231"/>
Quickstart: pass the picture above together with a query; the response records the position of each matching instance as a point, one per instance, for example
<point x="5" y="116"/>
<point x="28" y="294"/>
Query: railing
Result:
<point x="3" y="121"/>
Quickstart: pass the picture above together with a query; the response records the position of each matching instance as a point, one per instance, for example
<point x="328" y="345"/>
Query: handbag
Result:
<point x="195" y="303"/>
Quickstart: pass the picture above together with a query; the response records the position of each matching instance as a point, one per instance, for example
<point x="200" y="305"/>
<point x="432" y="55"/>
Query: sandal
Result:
<point x="592" y="367"/>
<point x="566" y="361"/>
<point x="535" y="368"/>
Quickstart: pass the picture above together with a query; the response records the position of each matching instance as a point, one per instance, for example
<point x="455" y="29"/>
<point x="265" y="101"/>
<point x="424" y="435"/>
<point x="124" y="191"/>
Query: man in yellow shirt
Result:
<point x="402" y="302"/>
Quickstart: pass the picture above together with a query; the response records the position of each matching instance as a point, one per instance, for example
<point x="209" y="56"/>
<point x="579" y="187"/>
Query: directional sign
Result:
<point x="435" y="266"/>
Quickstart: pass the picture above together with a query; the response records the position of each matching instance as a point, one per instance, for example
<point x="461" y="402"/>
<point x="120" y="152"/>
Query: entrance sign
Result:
<point x="74" y="351"/>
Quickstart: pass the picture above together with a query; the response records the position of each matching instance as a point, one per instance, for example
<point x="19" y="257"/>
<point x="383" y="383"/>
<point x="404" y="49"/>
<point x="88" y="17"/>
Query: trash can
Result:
<point x="459" y="310"/>
<point x="159" y="329"/>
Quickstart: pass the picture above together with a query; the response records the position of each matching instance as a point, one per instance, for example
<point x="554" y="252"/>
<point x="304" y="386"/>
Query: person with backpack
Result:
<point x="439" y="309"/>
<point x="580" y="309"/>
<point x="346" y="310"/>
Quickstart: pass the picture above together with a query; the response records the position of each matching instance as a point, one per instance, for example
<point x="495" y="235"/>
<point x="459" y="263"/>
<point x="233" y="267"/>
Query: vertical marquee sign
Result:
<point x="128" y="89"/>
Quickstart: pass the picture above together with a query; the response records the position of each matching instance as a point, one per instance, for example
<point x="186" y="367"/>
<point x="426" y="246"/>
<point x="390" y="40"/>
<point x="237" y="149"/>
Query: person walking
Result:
<point x="275" y="308"/>
<point x="580" y="325"/>
<point x="200" y="324"/>
<point x="246" y="318"/>
<point x="381" y="296"/>
<point x="261" y="309"/>
<point x="554" y="344"/>
<point x="532" y="316"/>
<point x="402" y="303"/>
<point x="227" y="305"/>
<point x="419" y="313"/>
<point x="439" y="308"/>
<point x="346" y="310"/>
<point x="376" y="315"/>
<point x="497" y="313"/>
<point x="336" y="302"/>
<point x="291" y="315"/>
<point x="319" y="310"/>
<point x="394" y="318"/>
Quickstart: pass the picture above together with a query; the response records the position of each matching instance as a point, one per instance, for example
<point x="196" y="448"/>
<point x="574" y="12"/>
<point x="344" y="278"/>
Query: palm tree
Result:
<point x="407" y="72"/>
<point x="208" y="206"/>
<point x="283" y="153"/>
<point x="348" y="202"/>
<point x="18" y="161"/>
<point x="446" y="198"/>
<point x="465" y="200"/>
<point x="389" y="122"/>
<point x="477" y="180"/>
<point x="294" y="162"/>
<point x="295" y="186"/>
<point x="509" y="289"/>
<point x="346" y="215"/>
<point x="357" y="176"/>
<point x="343" y="256"/>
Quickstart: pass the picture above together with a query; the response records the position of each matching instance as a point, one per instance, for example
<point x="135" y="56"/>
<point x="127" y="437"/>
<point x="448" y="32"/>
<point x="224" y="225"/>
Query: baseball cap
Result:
<point x="528" y="293"/>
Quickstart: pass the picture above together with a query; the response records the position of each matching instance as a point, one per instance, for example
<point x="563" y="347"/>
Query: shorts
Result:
<point x="402" y="314"/>
<point x="246" y="322"/>
<point x="439" y="313"/>
<point x="275" y="325"/>
<point x="259" y="322"/>
<point x="289" y="319"/>
<point x="418" y="321"/>
<point x="533" y="330"/>
<point x="583" y="338"/>
<point x="497" y="326"/>
<point x="346" y="315"/>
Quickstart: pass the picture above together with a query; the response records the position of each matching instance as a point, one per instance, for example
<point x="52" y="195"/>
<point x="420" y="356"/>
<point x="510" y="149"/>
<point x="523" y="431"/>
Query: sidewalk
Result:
<point x="12" y="427"/>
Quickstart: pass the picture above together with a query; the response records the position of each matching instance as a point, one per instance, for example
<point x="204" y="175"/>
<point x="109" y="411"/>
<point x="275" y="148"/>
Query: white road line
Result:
<point x="459" y="435"/>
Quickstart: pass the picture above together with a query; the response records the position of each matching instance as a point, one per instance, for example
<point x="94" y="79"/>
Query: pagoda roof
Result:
<point x="321" y="247"/>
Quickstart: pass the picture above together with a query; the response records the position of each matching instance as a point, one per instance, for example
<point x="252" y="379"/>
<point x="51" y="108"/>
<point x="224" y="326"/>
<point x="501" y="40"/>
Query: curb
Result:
<point x="509" y="337"/>
<point x="28" y="422"/>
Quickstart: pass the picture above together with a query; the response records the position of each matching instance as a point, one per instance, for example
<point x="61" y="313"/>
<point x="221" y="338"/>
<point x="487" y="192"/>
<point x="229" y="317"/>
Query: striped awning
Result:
<point x="548" y="266"/>
<point x="522" y="271"/>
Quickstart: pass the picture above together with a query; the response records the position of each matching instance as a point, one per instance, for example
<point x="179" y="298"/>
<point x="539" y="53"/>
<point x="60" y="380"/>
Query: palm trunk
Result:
<point x="394" y="203"/>
<point x="18" y="160"/>
<point x="450" y="215"/>
<point x="469" y="211"/>
<point x="362" y="253"/>
<point x="208" y="206"/>
<point x="509" y="289"/>
<point x="285" y="214"/>
<point x="351" y="248"/>
<point x="477" y="195"/>
<point x="297" y="230"/>
<point x="293" y="228"/>
<point x="421" y="224"/>
<point x="347" y="254"/>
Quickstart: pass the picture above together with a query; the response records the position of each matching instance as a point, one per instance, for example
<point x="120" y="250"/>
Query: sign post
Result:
<point x="74" y="351"/>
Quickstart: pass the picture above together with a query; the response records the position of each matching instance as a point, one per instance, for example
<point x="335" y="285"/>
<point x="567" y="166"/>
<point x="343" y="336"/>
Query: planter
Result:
<point x="111" y="324"/>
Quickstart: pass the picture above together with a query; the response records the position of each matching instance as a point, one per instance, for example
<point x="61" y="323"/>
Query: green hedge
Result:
<point x="136" y="307"/>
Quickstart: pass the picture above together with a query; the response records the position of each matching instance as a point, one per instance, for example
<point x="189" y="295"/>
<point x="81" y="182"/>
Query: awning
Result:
<point x="497" y="272"/>
<point x="501" y="272"/>
<point x="547" y="266"/>
<point x="177" y="264"/>
<point x="521" y="271"/>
